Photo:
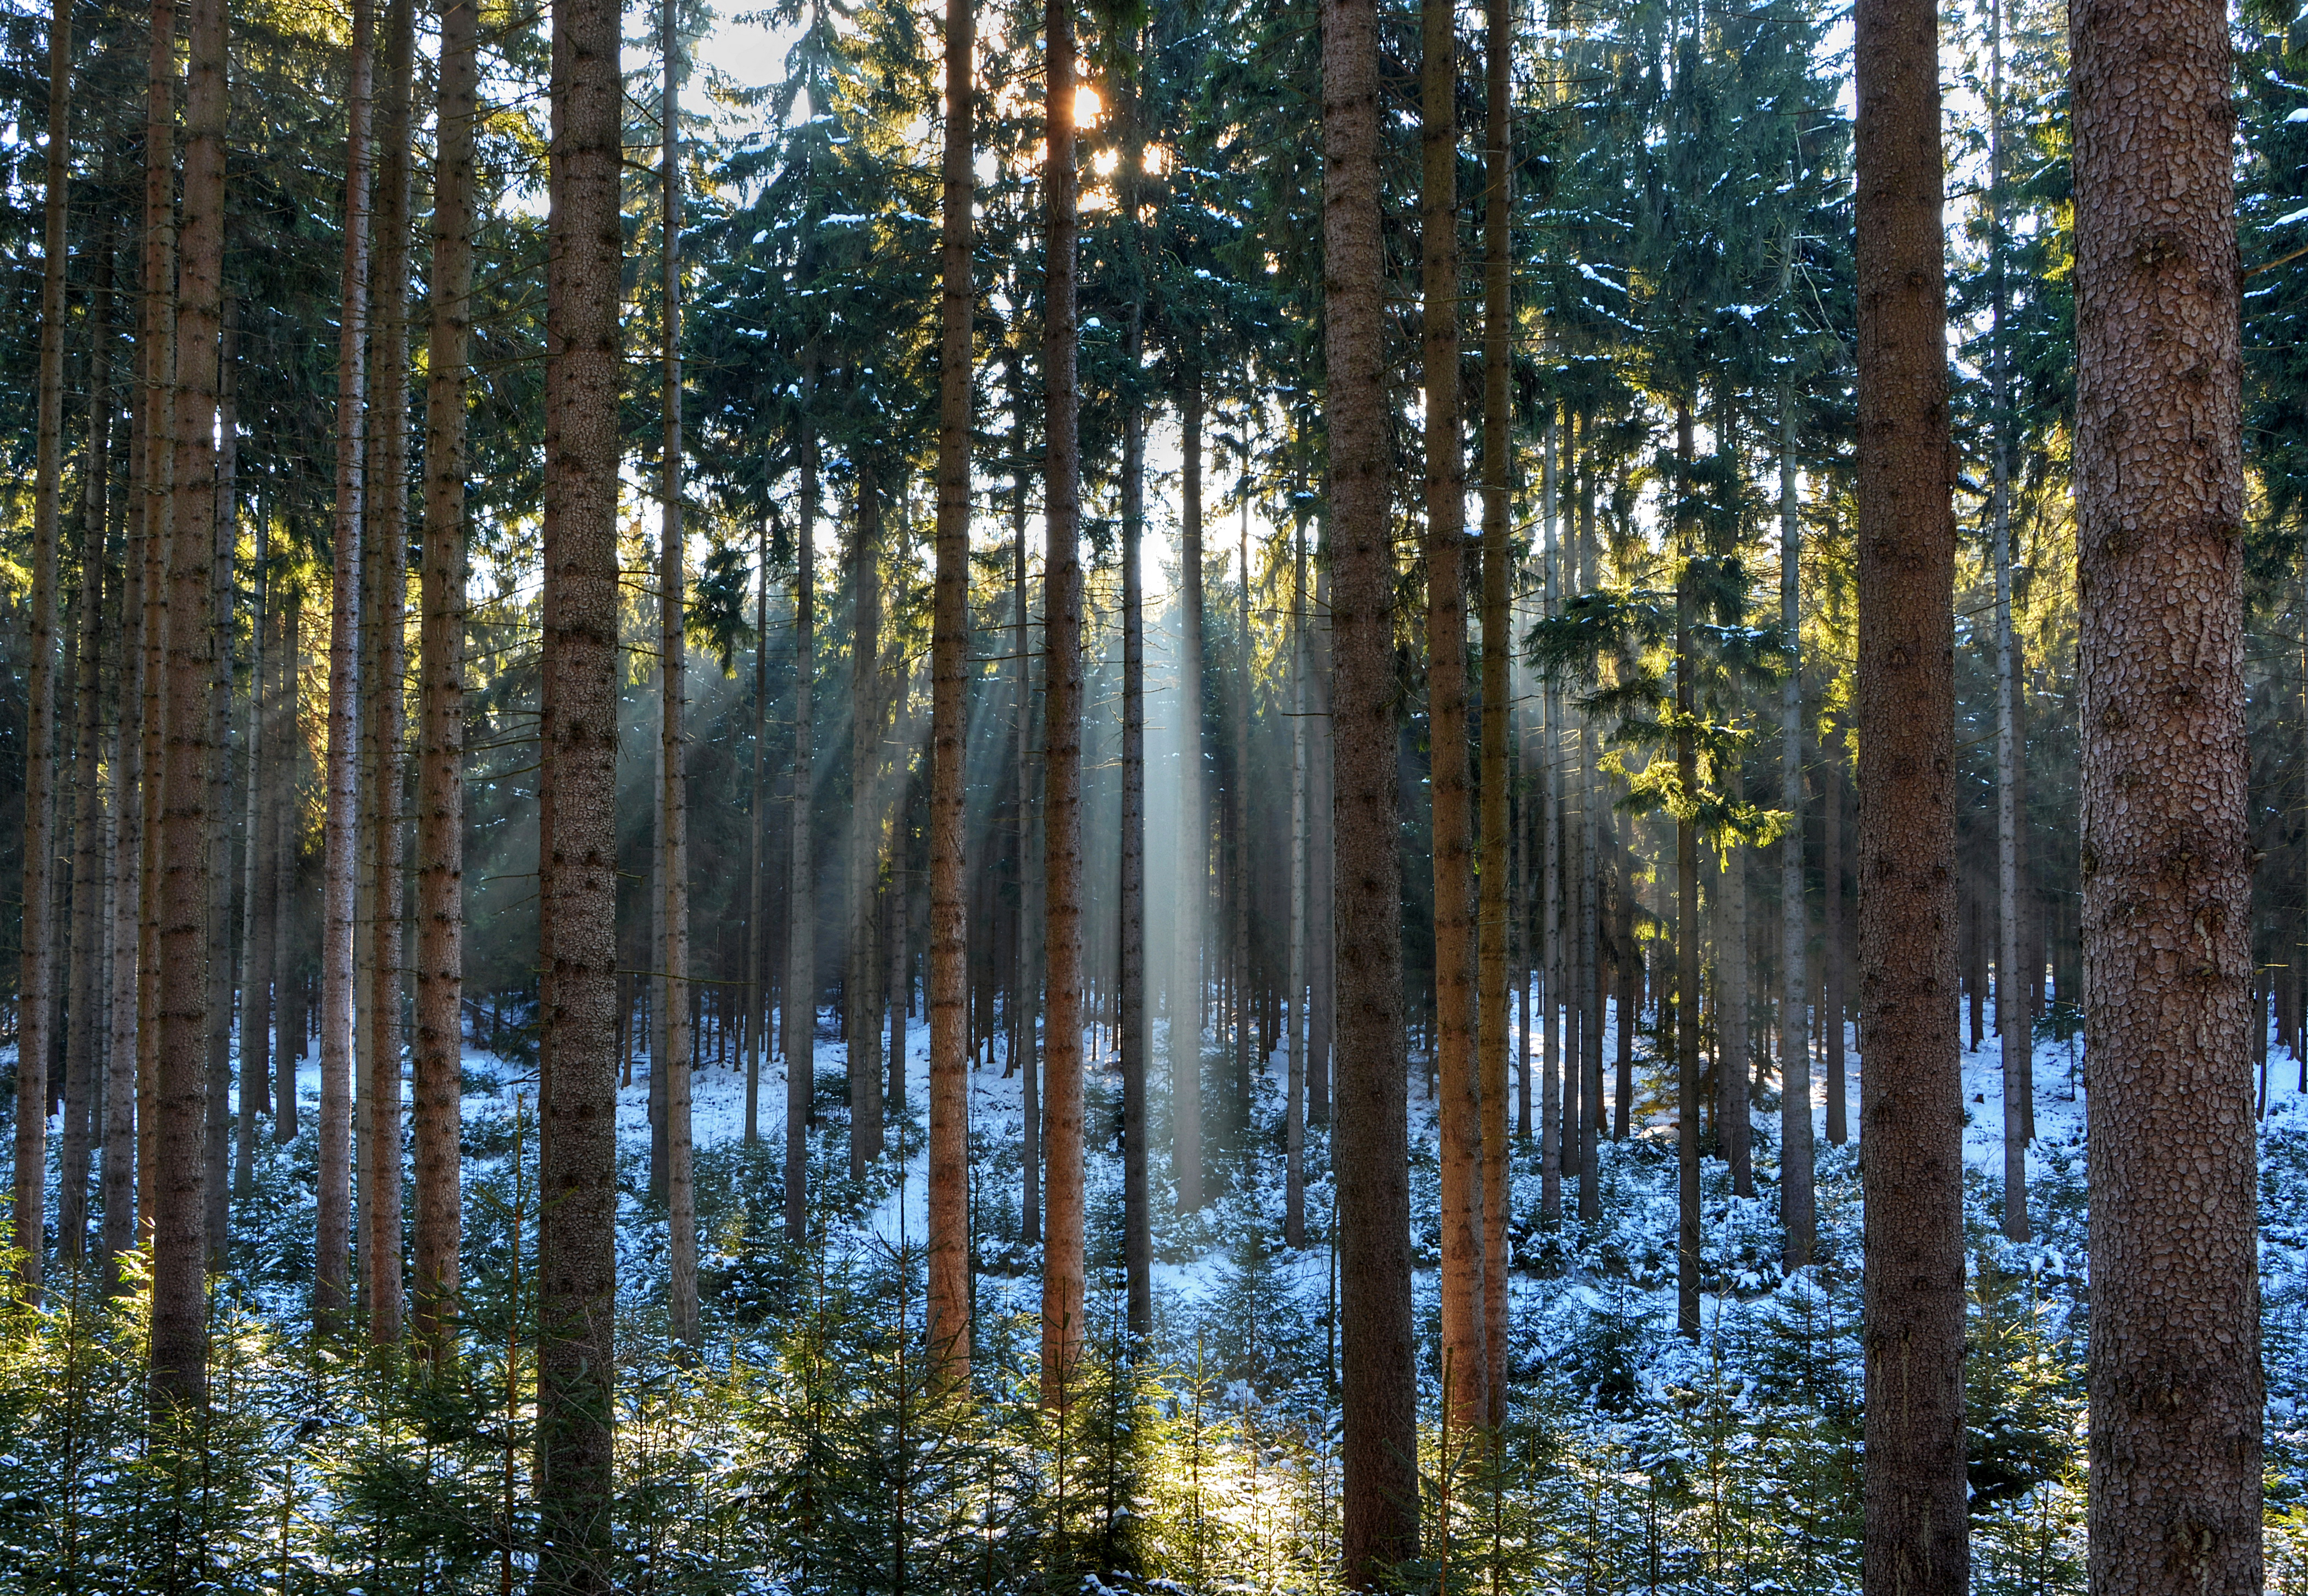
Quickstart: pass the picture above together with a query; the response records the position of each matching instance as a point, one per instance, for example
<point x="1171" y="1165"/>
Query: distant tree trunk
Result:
<point x="1589" y="984"/>
<point x="388" y="521"/>
<point x="1631" y="993"/>
<point x="1193" y="824"/>
<point x="1133" y="1040"/>
<point x="1498" y="849"/>
<point x="179" y="1334"/>
<point x="1911" y="1105"/>
<point x="1459" y="1084"/>
<point x="1734" y="1024"/>
<point x="341" y="834"/>
<point x="1294" y="1193"/>
<point x="861" y="1002"/>
<point x="2176" y="1378"/>
<point x="800" y="1014"/>
<point x="1378" y="1525"/>
<point x="82" y="1089"/>
<point x="1834" y="941"/>
<point x="280" y="903"/>
<point x="2012" y="1025"/>
<point x="757" y="895"/>
<point x="1030" y="1152"/>
<point x="256" y="853"/>
<point x="1798" y="1215"/>
<point x="119" y="1183"/>
<point x="1062" y="752"/>
<point x="436" y="1067"/>
<point x="1238" y="875"/>
<point x="577" y="854"/>
<point x="948" y="1261"/>
<point x="1321" y="1019"/>
<point x="1686" y="911"/>
<point x="673" y="797"/>
<point x="35" y="1002"/>
<point x="217" y="1075"/>
<point x="1550" y="821"/>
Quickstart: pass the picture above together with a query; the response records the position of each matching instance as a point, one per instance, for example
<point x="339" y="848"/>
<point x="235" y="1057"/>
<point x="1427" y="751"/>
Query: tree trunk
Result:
<point x="1133" y="1040"/>
<point x="800" y="1016"/>
<point x="949" y="1302"/>
<point x="673" y="795"/>
<point x="1294" y="1193"/>
<point x="179" y="1335"/>
<point x="281" y="904"/>
<point x="1911" y="1105"/>
<point x="341" y="835"/>
<point x="256" y="955"/>
<point x="217" y="1142"/>
<point x="1589" y="982"/>
<point x="1733" y="1025"/>
<point x="1237" y="877"/>
<point x="1193" y="824"/>
<point x="2175" y="1378"/>
<point x="1062" y="753"/>
<point x="1834" y="943"/>
<point x="388" y="541"/>
<point x="1550" y="822"/>
<point x="758" y="964"/>
<point x="35" y="1002"/>
<point x="1030" y="1152"/>
<point x="577" y="835"/>
<point x="1379" y="1524"/>
<point x="119" y="1182"/>
<point x="1498" y="848"/>
<point x="860" y="1001"/>
<point x="437" y="1064"/>
<point x="1798" y="1215"/>
<point x="1686" y="909"/>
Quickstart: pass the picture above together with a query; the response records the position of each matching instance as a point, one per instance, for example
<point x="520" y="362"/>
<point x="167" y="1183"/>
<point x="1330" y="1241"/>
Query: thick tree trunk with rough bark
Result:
<point x="1458" y="1109"/>
<point x="179" y="1335"/>
<point x="1911" y="1094"/>
<point x="342" y="826"/>
<point x="437" y="1060"/>
<point x="1379" y="1524"/>
<point x="577" y="836"/>
<point x="1498" y="849"/>
<point x="36" y="1000"/>
<point x="948" y="1261"/>
<point x="1061" y="752"/>
<point x="2175" y="1381"/>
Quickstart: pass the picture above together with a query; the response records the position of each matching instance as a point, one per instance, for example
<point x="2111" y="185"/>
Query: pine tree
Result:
<point x="2175" y="1380"/>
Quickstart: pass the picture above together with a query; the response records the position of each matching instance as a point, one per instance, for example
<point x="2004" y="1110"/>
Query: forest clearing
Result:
<point x="1241" y="795"/>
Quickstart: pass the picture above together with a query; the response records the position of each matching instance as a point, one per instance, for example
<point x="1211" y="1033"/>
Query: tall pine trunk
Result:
<point x="861" y="987"/>
<point x="948" y="1261"/>
<point x="341" y="828"/>
<point x="673" y="795"/>
<point x="179" y="1335"/>
<point x="1193" y="824"/>
<point x="1293" y="1190"/>
<point x="1798" y="1215"/>
<point x="1379" y="1524"/>
<point x="36" y="993"/>
<point x="1686" y="910"/>
<point x="1062" y="750"/>
<point x="2176" y="1378"/>
<point x="1911" y="1094"/>
<point x="387" y="517"/>
<point x="82" y="1089"/>
<point x="577" y="857"/>
<point x="1498" y="847"/>
<point x="1132" y="1040"/>
<point x="1458" y="1109"/>
<point x="223" y="527"/>
<point x="800" y="1016"/>
<point x="437" y="1061"/>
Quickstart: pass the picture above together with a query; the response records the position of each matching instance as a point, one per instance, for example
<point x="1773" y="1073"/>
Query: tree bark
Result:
<point x="81" y="1060"/>
<point x="1498" y="847"/>
<point x="280" y="903"/>
<point x="341" y="832"/>
<point x="673" y="795"/>
<point x="1379" y="1526"/>
<point x="1062" y="752"/>
<point x="1911" y="1108"/>
<point x="437" y="1062"/>
<point x="1133" y="1042"/>
<point x="255" y="924"/>
<point x="2167" y="855"/>
<point x="1457" y="1083"/>
<point x="1194" y="823"/>
<point x="1798" y="1213"/>
<point x="577" y="840"/>
<point x="800" y="1016"/>
<point x="1733" y="1025"/>
<point x="861" y="1001"/>
<point x="1550" y="821"/>
<point x="1293" y="1191"/>
<point x="216" y="844"/>
<point x="36" y="1000"/>
<point x="758" y="965"/>
<point x="387" y="507"/>
<point x="1833" y="942"/>
<point x="179" y="1335"/>
<point x="949" y="1301"/>
<point x="1686" y="910"/>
